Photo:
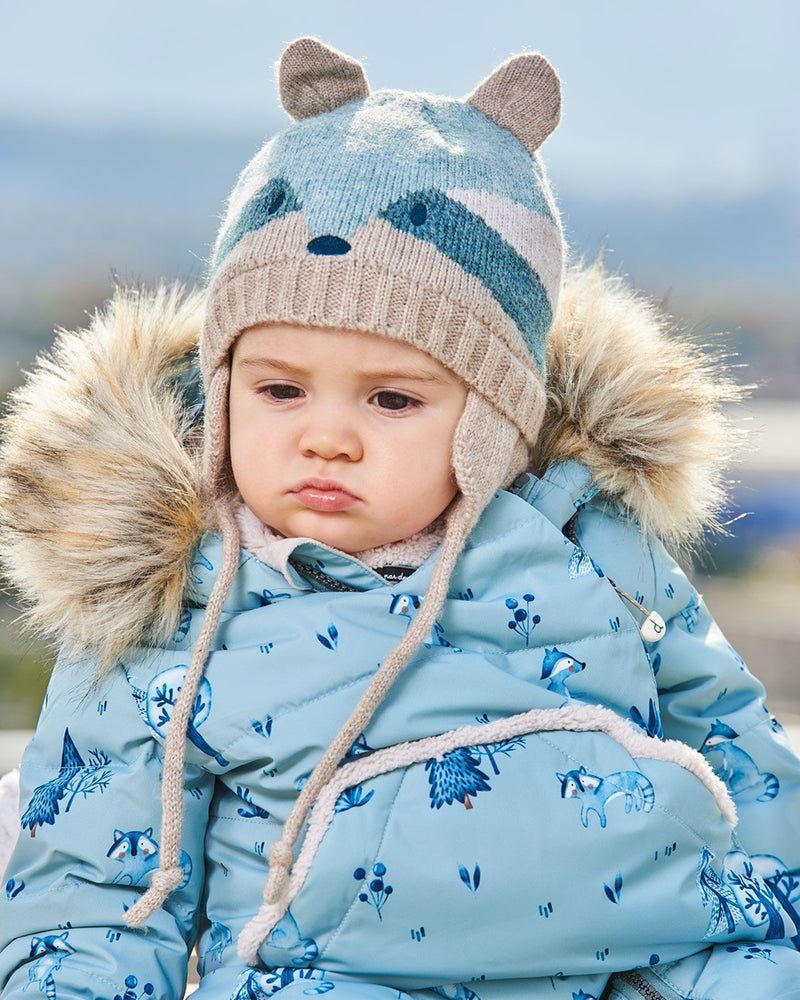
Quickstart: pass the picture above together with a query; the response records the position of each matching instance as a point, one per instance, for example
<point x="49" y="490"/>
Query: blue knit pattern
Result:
<point x="394" y="156"/>
<point x="348" y="164"/>
<point x="466" y="239"/>
<point x="271" y="202"/>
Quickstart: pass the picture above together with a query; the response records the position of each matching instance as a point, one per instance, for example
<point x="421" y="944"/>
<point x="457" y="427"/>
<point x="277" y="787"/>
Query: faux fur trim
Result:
<point x="640" y="405"/>
<point x="100" y="505"/>
<point x="100" y="495"/>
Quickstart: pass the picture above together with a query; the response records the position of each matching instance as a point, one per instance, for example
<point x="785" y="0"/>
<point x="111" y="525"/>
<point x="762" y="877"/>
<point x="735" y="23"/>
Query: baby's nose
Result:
<point x="328" y="246"/>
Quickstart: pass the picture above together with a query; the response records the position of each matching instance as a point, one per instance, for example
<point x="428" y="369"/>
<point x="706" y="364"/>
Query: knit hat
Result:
<point x="422" y="219"/>
<point x="426" y="220"/>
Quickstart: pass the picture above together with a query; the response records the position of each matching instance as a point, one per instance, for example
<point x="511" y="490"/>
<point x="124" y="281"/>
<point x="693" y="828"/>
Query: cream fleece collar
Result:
<point x="274" y="549"/>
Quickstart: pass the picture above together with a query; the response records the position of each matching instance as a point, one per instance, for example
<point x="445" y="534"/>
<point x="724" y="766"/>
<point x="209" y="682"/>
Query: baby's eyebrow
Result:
<point x="388" y="375"/>
<point x="264" y="362"/>
<point x="402" y="375"/>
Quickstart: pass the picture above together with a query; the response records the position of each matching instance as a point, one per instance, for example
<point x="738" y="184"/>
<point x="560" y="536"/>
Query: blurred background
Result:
<point x="123" y="126"/>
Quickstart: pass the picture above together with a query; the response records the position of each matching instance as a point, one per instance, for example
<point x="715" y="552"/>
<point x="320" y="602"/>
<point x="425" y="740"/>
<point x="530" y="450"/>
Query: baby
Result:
<point x="385" y="615"/>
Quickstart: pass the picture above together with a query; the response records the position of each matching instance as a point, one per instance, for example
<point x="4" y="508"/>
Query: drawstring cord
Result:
<point x="170" y="874"/>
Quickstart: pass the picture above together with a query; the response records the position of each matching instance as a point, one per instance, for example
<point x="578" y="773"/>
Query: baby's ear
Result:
<point x="314" y="78"/>
<point x="522" y="95"/>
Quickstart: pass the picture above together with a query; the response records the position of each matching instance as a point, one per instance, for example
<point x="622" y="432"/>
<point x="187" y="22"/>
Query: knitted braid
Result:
<point x="170" y="875"/>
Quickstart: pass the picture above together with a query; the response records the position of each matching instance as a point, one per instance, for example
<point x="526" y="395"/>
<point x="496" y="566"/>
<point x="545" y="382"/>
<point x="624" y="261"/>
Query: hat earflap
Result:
<point x="488" y="451"/>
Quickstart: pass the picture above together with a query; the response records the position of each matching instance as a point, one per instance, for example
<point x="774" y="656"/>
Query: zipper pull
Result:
<point x="653" y="627"/>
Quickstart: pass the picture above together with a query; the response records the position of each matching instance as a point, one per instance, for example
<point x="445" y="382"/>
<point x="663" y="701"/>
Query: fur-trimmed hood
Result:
<point x="101" y="499"/>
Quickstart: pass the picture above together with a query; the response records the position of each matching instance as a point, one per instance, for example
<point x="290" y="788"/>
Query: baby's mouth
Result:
<point x="323" y="495"/>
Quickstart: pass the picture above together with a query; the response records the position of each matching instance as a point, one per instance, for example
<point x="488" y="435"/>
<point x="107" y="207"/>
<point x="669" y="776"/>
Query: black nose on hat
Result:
<point x="328" y="246"/>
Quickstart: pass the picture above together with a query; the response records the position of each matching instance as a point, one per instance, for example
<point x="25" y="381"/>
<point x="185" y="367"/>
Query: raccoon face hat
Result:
<point x="426" y="220"/>
<point x="422" y="219"/>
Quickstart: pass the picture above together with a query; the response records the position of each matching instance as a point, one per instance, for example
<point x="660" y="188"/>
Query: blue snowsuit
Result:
<point x="561" y="836"/>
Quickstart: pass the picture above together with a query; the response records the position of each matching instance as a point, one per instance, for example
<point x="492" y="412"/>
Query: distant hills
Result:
<point x="79" y="208"/>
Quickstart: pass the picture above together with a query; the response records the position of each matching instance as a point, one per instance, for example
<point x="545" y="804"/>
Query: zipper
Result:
<point x="316" y="576"/>
<point x="632" y="985"/>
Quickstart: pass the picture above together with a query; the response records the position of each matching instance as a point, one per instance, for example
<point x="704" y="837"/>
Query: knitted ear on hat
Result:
<point x="524" y="96"/>
<point x="313" y="78"/>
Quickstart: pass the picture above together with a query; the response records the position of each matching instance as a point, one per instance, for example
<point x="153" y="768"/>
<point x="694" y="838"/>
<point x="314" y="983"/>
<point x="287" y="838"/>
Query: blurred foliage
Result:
<point x="24" y="672"/>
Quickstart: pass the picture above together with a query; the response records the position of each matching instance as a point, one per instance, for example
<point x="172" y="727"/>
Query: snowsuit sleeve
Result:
<point x="90" y="817"/>
<point x="707" y="696"/>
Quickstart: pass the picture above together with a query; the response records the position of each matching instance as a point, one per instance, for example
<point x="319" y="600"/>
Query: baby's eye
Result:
<point x="281" y="392"/>
<point x="394" y="401"/>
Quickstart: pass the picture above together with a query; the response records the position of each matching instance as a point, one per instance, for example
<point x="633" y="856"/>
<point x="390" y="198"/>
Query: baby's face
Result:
<point x="339" y="436"/>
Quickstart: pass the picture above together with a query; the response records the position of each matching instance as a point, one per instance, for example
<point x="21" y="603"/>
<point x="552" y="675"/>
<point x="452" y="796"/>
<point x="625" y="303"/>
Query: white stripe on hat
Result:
<point x="533" y="236"/>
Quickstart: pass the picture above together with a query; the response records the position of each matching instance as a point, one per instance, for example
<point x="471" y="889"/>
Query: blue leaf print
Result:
<point x="14" y="888"/>
<point x="331" y="640"/>
<point x="614" y="894"/>
<point x="351" y="798"/>
<point x="653" y="724"/>
<point x="470" y="881"/>
<point x="262" y="728"/>
<point x="252" y="809"/>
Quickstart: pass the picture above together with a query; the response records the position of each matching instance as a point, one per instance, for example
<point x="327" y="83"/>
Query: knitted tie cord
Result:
<point x="170" y="875"/>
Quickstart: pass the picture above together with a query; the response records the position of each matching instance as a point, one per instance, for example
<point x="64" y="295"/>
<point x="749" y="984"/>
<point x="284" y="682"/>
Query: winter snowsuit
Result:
<point x="567" y="825"/>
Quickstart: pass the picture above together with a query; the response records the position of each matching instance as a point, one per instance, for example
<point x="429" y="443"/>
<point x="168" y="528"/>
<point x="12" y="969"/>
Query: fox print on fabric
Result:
<point x="49" y="952"/>
<point x="738" y="769"/>
<point x="557" y="668"/>
<point x="594" y="792"/>
<point x="137" y="853"/>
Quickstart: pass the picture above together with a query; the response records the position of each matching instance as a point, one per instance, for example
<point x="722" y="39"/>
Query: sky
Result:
<point x="688" y="96"/>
